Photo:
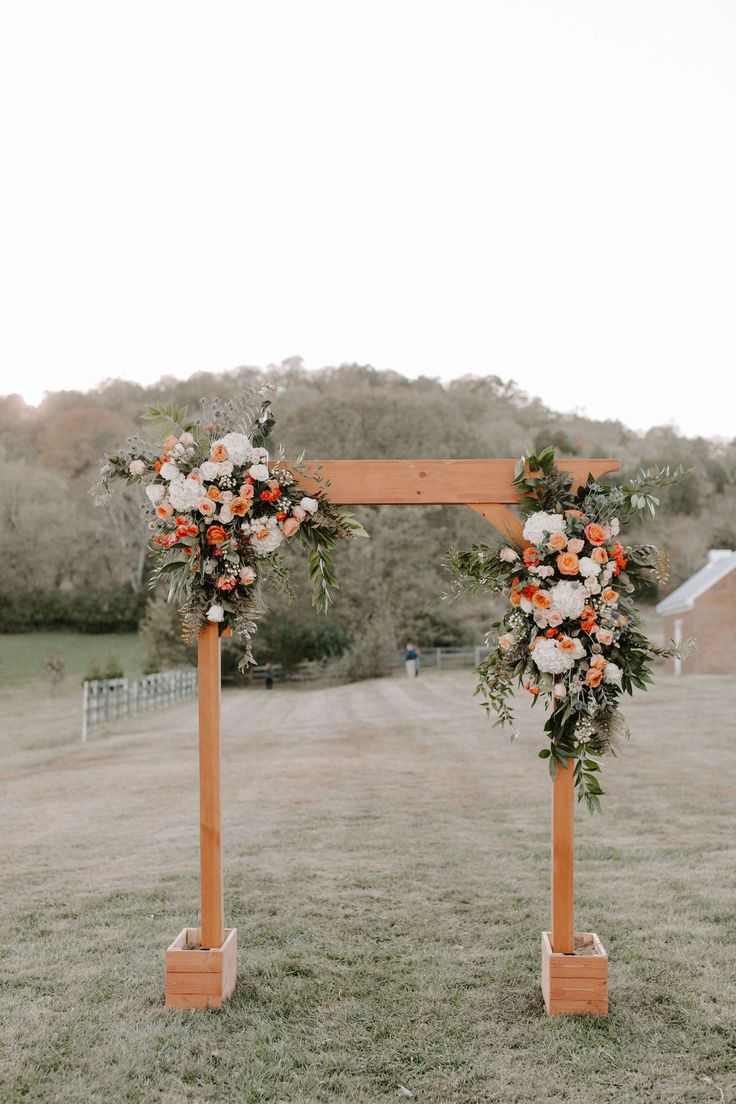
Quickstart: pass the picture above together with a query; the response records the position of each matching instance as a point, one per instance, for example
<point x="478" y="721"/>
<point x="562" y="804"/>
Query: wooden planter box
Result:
<point x="200" y="979"/>
<point x="575" y="982"/>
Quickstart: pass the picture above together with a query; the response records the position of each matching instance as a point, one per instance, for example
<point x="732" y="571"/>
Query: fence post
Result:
<point x="85" y="705"/>
<point x="439" y="657"/>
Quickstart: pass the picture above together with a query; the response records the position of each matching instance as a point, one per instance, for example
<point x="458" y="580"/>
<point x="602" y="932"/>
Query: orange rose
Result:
<point x="213" y="492"/>
<point x="164" y="510"/>
<point x="568" y="563"/>
<point x="574" y="513"/>
<point x="598" y="661"/>
<point x="588" y="613"/>
<point x="531" y="556"/>
<point x="541" y="599"/>
<point x="557" y="542"/>
<point x="216" y="534"/>
<point x="599" y="556"/>
<point x="219" y="453"/>
<point x="515" y="598"/>
<point x="596" y="534"/>
<point x="239" y="507"/>
<point x="226" y="584"/>
<point x="566" y="643"/>
<point x="532" y="689"/>
<point x="594" y="676"/>
<point x="609" y="596"/>
<point x="290" y="526"/>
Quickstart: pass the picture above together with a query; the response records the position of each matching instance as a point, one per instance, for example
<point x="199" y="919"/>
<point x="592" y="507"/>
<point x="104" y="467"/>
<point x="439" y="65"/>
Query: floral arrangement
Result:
<point x="221" y="509"/>
<point x="570" y="633"/>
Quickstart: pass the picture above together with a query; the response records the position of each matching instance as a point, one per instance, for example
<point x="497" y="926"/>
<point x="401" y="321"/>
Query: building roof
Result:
<point x="721" y="561"/>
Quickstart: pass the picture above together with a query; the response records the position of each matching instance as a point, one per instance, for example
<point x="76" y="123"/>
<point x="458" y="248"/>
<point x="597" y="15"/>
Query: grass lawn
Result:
<point x="22" y="655"/>
<point x="386" y="865"/>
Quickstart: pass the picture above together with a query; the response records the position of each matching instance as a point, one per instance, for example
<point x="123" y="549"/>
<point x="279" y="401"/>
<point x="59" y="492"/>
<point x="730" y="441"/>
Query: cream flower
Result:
<point x="215" y="613"/>
<point x="155" y="492"/>
<point x="311" y="505"/>
<point x="136" y="467"/>
<point x="508" y="555"/>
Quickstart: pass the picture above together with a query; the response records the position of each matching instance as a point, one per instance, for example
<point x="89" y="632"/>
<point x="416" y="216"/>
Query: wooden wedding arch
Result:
<point x="205" y="977"/>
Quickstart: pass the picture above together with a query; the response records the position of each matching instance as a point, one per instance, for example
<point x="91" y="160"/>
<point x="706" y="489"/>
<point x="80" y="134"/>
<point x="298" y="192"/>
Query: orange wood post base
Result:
<point x="575" y="983"/>
<point x="201" y="963"/>
<point x="200" y="978"/>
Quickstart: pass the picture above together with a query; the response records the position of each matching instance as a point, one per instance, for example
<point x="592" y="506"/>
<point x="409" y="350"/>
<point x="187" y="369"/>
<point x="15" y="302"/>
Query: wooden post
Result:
<point x="210" y="843"/>
<point x="563" y="809"/>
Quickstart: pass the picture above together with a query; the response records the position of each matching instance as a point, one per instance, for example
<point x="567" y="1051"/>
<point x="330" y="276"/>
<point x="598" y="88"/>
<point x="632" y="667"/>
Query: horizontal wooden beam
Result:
<point x="431" y="482"/>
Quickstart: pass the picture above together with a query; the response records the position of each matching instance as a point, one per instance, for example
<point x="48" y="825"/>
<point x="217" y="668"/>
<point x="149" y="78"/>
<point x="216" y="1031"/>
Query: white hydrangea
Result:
<point x="568" y="598"/>
<point x="612" y="673"/>
<point x="549" y="657"/>
<point x="155" y="492"/>
<point x="540" y="523"/>
<point x="589" y="567"/>
<point x="185" y="494"/>
<point x="238" y="447"/>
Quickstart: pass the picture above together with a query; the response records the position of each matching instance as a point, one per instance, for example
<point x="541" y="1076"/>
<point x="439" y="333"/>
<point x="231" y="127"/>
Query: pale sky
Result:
<point x="541" y="190"/>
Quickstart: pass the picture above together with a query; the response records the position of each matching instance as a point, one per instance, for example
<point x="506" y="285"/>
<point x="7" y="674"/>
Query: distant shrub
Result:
<point x="54" y="667"/>
<point x="161" y="639"/>
<point x="105" y="667"/>
<point x="373" y="651"/>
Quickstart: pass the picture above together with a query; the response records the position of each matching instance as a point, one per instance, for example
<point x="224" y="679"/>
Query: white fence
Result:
<point x="107" y="700"/>
<point x="451" y="657"/>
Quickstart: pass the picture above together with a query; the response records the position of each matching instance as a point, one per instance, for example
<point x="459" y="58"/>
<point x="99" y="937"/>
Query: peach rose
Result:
<point x="136" y="467"/>
<point x="164" y="510"/>
<point x="596" y="534"/>
<point x="575" y="545"/>
<point x="594" y="676"/>
<point x="599" y="662"/>
<point x="554" y="619"/>
<point x="541" y="599"/>
<point x="515" y="598"/>
<point x="568" y="563"/>
<point x="213" y="492"/>
<point x="290" y="526"/>
<point x="219" y="453"/>
<point x="604" y="636"/>
<point x="206" y="507"/>
<point x="246" y="491"/>
<point x="609" y="596"/>
<point x="298" y="513"/>
<point x="239" y="507"/>
<point x="216" y="534"/>
<point x="557" y="542"/>
<point x="247" y="575"/>
<point x="574" y="513"/>
<point x="599" y="556"/>
<point x="170" y="443"/>
<point x="506" y="641"/>
<point x="567" y="644"/>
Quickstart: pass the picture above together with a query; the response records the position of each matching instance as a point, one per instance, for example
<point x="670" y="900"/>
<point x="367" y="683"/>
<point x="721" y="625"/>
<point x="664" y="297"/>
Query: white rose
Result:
<point x="311" y="505"/>
<point x="589" y="567"/>
<point x="136" y="467"/>
<point x="215" y="613"/>
<point x="259" y="472"/>
<point x="169" y="471"/>
<point x="155" y="492"/>
<point x="508" y="555"/>
<point x="612" y="673"/>
<point x="226" y="515"/>
<point x="208" y="470"/>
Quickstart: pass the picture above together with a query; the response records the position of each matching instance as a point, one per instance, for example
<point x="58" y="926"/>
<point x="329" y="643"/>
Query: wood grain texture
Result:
<point x="431" y="482"/>
<point x="563" y="843"/>
<point x="574" y="984"/>
<point x="210" y="843"/>
<point x="200" y="979"/>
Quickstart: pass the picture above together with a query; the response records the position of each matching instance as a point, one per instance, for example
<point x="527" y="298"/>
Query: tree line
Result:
<point x="69" y="563"/>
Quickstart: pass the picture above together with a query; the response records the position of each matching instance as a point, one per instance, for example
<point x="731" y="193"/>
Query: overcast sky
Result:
<point x="541" y="190"/>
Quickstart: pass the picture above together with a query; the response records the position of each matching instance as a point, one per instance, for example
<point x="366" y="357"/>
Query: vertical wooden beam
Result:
<point x="210" y="843"/>
<point x="563" y="809"/>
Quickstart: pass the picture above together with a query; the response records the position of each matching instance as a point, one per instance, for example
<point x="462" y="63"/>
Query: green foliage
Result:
<point x="162" y="645"/>
<point x="107" y="666"/>
<point x="290" y="639"/>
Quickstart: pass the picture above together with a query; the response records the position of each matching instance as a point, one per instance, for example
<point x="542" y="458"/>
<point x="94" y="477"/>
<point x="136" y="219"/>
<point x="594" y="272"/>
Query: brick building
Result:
<point x="705" y="607"/>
